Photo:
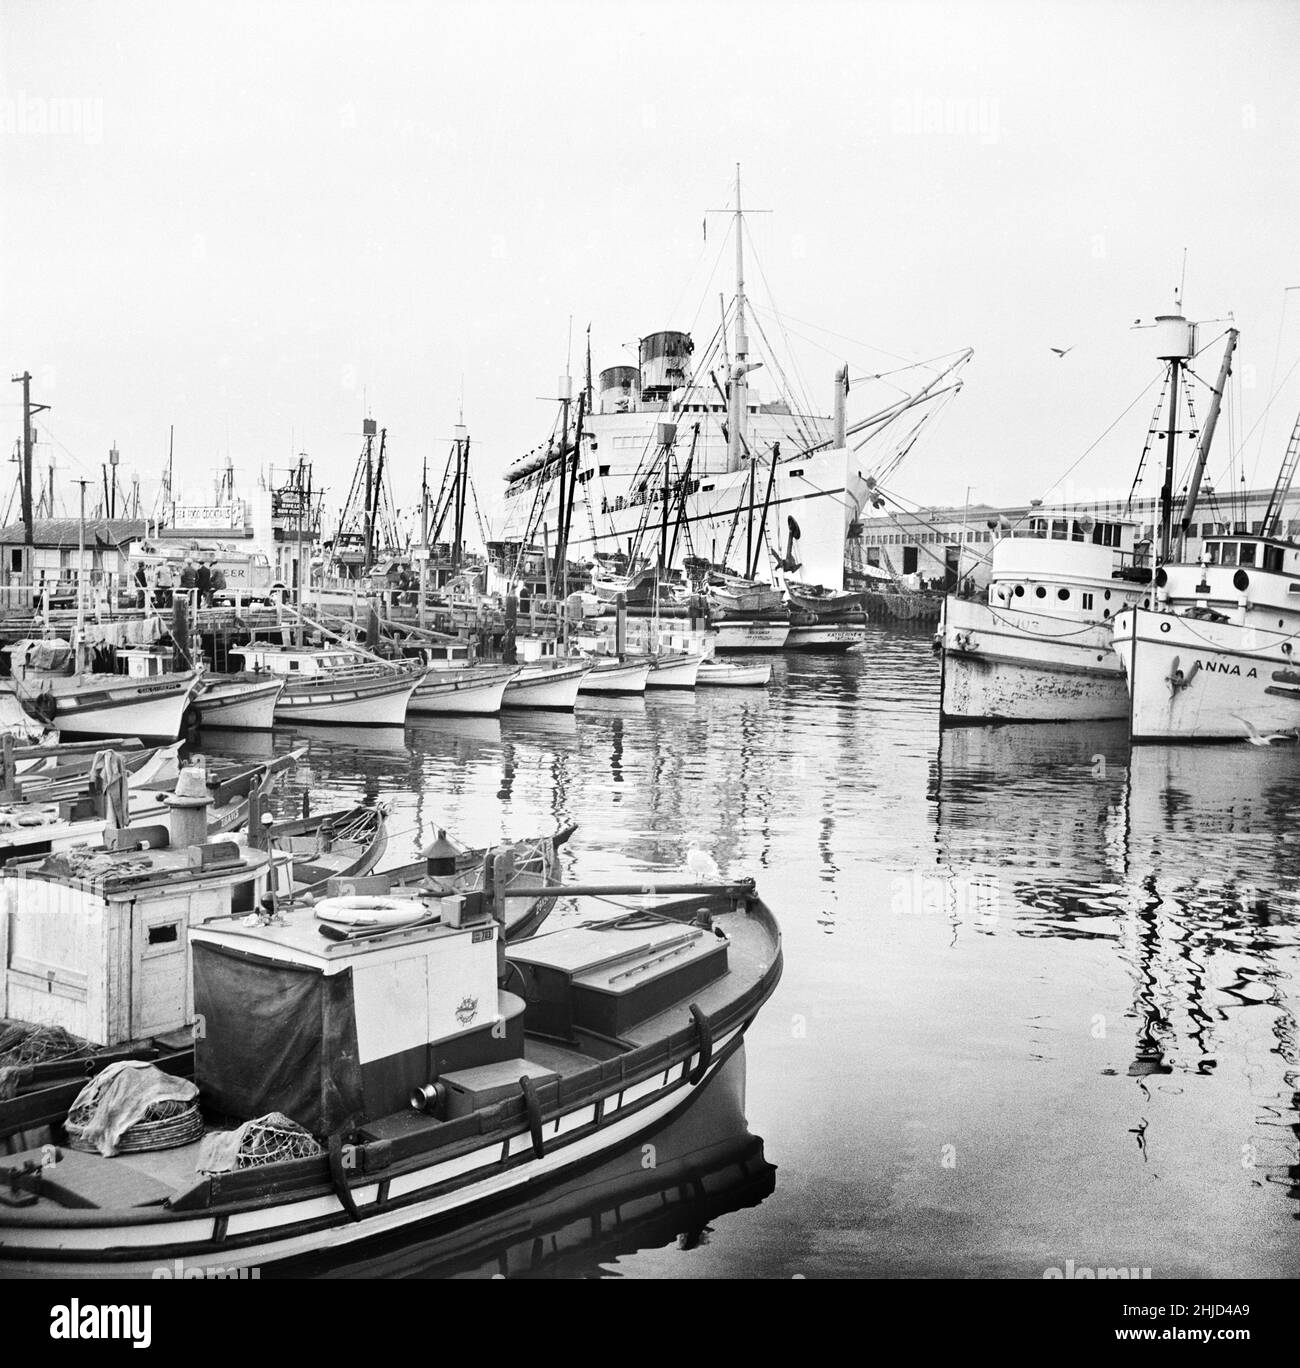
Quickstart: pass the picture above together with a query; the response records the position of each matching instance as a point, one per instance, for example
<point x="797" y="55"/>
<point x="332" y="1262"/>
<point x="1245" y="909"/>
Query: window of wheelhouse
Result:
<point x="1273" y="559"/>
<point x="1060" y="529"/>
<point x="1246" y="556"/>
<point x="1227" y="553"/>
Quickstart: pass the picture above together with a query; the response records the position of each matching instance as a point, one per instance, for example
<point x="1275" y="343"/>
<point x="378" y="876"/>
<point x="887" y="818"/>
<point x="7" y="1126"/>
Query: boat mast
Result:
<point x="1207" y="436"/>
<point x="1177" y="345"/>
<point x="738" y="388"/>
<point x="424" y="536"/>
<point x="737" y="392"/>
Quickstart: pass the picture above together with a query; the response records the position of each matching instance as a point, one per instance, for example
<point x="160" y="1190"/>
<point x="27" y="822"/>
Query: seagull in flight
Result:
<point x="700" y="863"/>
<point x="1062" y="351"/>
<point x="1258" y="738"/>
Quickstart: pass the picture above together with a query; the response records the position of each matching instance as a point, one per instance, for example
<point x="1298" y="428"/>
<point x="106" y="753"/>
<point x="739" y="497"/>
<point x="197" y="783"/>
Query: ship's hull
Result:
<point x="674" y="672"/>
<point x="1191" y="679"/>
<point x="112" y="705"/>
<point x="825" y="636"/>
<point x="239" y="705"/>
<point x="723" y="674"/>
<point x="476" y="691"/>
<point x="156" y="1243"/>
<point x="1003" y="665"/>
<point x="616" y="678"/>
<point x="380" y="702"/>
<point x="544" y="687"/>
<point x="751" y="634"/>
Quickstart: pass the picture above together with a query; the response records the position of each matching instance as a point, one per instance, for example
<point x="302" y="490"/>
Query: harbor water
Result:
<point x="1039" y="1007"/>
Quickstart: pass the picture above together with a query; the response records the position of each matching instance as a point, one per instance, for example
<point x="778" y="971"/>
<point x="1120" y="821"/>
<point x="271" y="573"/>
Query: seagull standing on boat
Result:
<point x="1258" y="738"/>
<point x="702" y="864"/>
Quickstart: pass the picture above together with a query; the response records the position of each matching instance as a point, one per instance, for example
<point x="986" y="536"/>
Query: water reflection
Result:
<point x="1182" y="865"/>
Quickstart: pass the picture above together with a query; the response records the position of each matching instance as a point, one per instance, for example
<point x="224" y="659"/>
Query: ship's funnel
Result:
<point x="620" y="388"/>
<point x="665" y="363"/>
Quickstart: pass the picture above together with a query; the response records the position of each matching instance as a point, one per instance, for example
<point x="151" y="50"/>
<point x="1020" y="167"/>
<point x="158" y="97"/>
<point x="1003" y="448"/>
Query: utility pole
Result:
<point x="81" y="570"/>
<point x="29" y="411"/>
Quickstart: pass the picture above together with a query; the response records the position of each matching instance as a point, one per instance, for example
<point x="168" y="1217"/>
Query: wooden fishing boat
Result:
<point x="674" y="670"/>
<point x="615" y="675"/>
<point x="244" y="701"/>
<point x="145" y="767"/>
<point x="334" y="686"/>
<point x="725" y="674"/>
<point x="331" y="845"/>
<point x="823" y="619"/>
<point x="53" y="823"/>
<point x="550" y="685"/>
<point x="472" y="1082"/>
<point x="150" y="702"/>
<point x="475" y="690"/>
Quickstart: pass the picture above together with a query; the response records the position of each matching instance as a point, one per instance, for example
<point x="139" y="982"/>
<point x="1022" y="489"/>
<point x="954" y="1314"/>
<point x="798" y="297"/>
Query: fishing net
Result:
<point x="264" y="1140"/>
<point x="134" y="1106"/>
<point x="22" y="1044"/>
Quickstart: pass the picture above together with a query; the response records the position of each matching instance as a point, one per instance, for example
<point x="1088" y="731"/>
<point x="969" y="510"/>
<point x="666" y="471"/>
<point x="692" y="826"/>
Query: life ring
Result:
<point x="364" y="909"/>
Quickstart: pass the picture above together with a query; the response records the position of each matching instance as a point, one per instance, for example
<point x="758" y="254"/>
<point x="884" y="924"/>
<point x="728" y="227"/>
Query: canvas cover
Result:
<point x="276" y="1037"/>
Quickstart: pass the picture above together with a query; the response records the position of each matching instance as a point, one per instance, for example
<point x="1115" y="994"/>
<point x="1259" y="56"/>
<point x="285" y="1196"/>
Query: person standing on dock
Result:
<point x="162" y="584"/>
<point x="203" y="583"/>
<point x="141" y="579"/>
<point x="188" y="579"/>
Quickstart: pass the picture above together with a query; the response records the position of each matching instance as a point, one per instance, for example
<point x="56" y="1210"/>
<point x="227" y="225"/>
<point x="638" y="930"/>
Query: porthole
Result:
<point x="1063" y="595"/>
<point x="1146" y="603"/>
<point x="1164" y="626"/>
<point x="1105" y="612"/>
<point x="1161" y="578"/>
<point x="1241" y="580"/>
<point x="1020" y="591"/>
<point x="1286" y="648"/>
<point x="1040" y="592"/>
<point x="1107" y="593"/>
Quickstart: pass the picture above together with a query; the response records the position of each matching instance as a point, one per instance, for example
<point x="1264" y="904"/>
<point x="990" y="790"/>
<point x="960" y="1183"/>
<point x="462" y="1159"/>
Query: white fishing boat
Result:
<point x="334" y="686"/>
<point x="546" y="680"/>
<point x="477" y="690"/>
<point x="1041" y="647"/>
<point x="551" y="686"/>
<point x="674" y="670"/>
<point x="148" y="702"/>
<point x="682" y="445"/>
<point x="725" y="674"/>
<point x="244" y="702"/>
<point x="615" y="676"/>
<point x="1214" y="659"/>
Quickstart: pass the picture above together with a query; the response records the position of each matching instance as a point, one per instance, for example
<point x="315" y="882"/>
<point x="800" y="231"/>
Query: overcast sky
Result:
<point x="241" y="218"/>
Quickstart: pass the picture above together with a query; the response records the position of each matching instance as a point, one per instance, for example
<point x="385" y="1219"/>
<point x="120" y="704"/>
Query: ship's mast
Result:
<point x="738" y="390"/>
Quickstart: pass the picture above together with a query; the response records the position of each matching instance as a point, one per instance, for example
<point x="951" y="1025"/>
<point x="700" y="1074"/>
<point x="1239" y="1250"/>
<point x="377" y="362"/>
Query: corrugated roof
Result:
<point x="67" y="532"/>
